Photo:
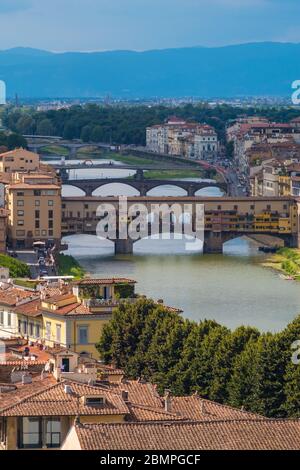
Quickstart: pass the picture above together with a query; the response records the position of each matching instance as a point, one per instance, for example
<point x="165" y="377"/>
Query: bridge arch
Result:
<point x="69" y="190"/>
<point x="167" y="190"/>
<point x="116" y="189"/>
<point x="210" y="191"/>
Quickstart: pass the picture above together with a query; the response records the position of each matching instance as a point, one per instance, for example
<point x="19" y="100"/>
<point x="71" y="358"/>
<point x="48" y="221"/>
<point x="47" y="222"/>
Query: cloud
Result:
<point x="11" y="6"/>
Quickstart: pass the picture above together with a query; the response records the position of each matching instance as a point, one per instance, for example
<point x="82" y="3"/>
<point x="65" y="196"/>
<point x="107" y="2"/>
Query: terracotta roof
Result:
<point x="187" y="407"/>
<point x="13" y="295"/>
<point x="59" y="297"/>
<point x="21" y="392"/>
<point x="139" y="393"/>
<point x="54" y="401"/>
<point x="215" y="435"/>
<point x="197" y="408"/>
<point x="146" y="413"/>
<point x="30" y="309"/>
<point x="62" y="310"/>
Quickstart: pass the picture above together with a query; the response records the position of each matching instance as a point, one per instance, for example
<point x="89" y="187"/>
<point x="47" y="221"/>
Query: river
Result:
<point x="231" y="288"/>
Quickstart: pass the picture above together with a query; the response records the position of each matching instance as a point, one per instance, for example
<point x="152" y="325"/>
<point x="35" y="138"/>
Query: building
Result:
<point x="34" y="205"/>
<point x="246" y="133"/>
<point x="19" y="160"/>
<point x="71" y="317"/>
<point x="180" y="138"/>
<point x="3" y="229"/>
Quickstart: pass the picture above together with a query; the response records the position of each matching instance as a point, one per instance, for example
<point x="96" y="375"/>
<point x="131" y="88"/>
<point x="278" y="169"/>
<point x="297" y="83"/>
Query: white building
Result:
<point x="178" y="137"/>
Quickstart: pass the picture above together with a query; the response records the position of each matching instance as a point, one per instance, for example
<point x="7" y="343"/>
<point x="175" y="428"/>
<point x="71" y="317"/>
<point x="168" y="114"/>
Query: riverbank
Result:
<point x="285" y="261"/>
<point x="69" y="266"/>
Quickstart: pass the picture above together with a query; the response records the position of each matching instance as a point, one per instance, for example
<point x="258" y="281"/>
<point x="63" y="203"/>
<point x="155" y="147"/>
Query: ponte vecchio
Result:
<point x="225" y="218"/>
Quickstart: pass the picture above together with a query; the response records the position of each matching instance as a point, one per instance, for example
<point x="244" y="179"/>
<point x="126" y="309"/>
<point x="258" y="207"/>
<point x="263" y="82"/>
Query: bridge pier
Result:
<point x="191" y="191"/>
<point x="213" y="242"/>
<point x="124" y="247"/>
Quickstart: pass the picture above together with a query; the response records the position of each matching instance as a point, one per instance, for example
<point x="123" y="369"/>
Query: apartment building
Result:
<point x="248" y="133"/>
<point x="3" y="229"/>
<point x="19" y="160"/>
<point x="34" y="204"/>
<point x="71" y="316"/>
<point x="181" y="138"/>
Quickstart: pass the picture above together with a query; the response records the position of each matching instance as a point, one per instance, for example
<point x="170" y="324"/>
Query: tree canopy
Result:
<point x="242" y="368"/>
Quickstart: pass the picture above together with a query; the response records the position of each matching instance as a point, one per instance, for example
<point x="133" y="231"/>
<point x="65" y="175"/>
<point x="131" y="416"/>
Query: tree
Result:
<point x="16" y="141"/>
<point x="86" y="132"/>
<point x="45" y="127"/>
<point x="26" y="124"/>
<point x="231" y="346"/>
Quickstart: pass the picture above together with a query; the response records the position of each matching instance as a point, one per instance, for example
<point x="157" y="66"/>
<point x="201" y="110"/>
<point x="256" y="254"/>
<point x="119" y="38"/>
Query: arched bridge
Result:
<point x="145" y="185"/>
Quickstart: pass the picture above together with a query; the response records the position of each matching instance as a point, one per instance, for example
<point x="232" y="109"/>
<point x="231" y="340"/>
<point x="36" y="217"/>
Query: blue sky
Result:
<point x="89" y="25"/>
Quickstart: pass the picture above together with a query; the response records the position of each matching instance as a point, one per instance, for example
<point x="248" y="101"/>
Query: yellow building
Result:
<point x="75" y="320"/>
<point x="34" y="210"/>
<point x="19" y="160"/>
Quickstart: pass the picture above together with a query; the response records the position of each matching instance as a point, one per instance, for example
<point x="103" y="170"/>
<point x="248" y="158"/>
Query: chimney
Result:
<point x="125" y="395"/>
<point x="168" y="401"/>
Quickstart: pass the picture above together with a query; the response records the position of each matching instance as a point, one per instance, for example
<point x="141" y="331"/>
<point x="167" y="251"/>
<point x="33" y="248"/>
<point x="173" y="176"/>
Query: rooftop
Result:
<point x="174" y="435"/>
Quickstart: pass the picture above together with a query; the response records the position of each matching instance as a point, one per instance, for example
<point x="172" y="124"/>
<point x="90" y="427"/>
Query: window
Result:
<point x="48" y="329"/>
<point x="31" y="329"/>
<point x="37" y="432"/>
<point x="20" y="222"/>
<point x="50" y="223"/>
<point x="50" y="214"/>
<point x="50" y="202"/>
<point x="53" y="430"/>
<point x="37" y="224"/>
<point x="37" y="233"/>
<point x="37" y="331"/>
<point x="30" y="433"/>
<point x="8" y="319"/>
<point x="20" y="233"/>
<point x="44" y="233"/>
<point x="50" y="233"/>
<point x="37" y="214"/>
<point x="37" y="203"/>
<point x="58" y="333"/>
<point x="20" y="213"/>
<point x="20" y="194"/>
<point x="20" y="203"/>
<point x="95" y="401"/>
<point x="1" y="318"/>
<point x="37" y="192"/>
<point x="83" y="335"/>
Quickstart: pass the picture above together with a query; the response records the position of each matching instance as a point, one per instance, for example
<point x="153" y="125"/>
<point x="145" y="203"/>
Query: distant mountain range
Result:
<point x="257" y="69"/>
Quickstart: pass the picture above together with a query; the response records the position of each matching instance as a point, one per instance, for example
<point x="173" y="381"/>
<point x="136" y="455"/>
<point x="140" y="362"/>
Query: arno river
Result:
<point x="231" y="288"/>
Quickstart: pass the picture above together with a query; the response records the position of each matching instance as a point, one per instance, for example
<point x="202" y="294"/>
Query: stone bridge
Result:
<point x="144" y="185"/>
<point x="225" y="218"/>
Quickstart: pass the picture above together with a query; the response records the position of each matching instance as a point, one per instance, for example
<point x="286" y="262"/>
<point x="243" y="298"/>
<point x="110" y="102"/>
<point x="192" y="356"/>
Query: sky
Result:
<point x="96" y="25"/>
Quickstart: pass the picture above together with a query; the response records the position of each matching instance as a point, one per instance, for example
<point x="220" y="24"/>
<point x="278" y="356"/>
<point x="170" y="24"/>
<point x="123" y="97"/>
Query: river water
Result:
<point x="231" y="288"/>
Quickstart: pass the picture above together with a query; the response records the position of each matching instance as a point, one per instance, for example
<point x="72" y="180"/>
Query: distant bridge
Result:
<point x="144" y="185"/>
